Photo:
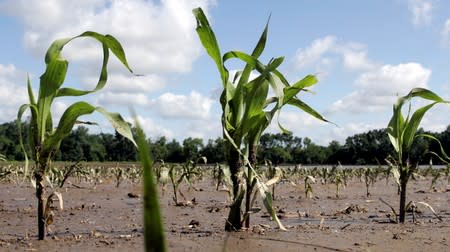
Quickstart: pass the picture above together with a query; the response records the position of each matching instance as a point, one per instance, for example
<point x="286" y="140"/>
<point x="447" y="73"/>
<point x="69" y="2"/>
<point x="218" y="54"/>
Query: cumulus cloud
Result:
<point x="420" y="11"/>
<point x="159" y="39"/>
<point x="152" y="129"/>
<point x="324" y="51"/>
<point x="121" y="83"/>
<point x="208" y="128"/>
<point x="350" y="129"/>
<point x="13" y="91"/>
<point x="377" y="89"/>
<point x="192" y="106"/>
<point x="126" y="99"/>
<point x="445" y="33"/>
<point x="314" y="52"/>
<point x="157" y="35"/>
<point x="355" y="57"/>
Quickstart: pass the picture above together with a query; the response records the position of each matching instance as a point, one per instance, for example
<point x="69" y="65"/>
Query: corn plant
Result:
<point x="247" y="111"/>
<point x="186" y="173"/>
<point x="402" y="132"/>
<point x="44" y="139"/>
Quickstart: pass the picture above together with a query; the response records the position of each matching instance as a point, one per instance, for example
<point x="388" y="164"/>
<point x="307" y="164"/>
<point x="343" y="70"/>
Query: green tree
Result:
<point x="192" y="148"/>
<point x="214" y="150"/>
<point x="175" y="152"/>
<point x="159" y="148"/>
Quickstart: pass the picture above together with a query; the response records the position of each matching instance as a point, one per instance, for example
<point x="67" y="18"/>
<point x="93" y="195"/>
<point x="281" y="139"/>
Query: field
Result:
<point x="99" y="216"/>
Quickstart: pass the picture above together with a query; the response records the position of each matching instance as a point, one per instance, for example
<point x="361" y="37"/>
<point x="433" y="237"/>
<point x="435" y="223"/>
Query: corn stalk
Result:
<point x="43" y="138"/>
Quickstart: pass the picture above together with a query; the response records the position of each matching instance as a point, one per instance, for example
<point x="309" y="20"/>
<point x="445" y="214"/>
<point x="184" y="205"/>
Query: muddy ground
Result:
<point x="106" y="218"/>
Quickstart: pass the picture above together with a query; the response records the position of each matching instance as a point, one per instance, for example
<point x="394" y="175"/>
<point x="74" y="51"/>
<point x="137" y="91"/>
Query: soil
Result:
<point x="105" y="218"/>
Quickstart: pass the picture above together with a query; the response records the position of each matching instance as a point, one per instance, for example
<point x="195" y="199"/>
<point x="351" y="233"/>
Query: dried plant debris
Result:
<point x="352" y="208"/>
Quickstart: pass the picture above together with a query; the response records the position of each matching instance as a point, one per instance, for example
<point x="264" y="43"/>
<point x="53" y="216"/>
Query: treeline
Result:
<point x="371" y="147"/>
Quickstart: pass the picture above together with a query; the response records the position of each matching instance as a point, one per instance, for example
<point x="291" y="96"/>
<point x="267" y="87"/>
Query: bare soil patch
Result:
<point x="106" y="218"/>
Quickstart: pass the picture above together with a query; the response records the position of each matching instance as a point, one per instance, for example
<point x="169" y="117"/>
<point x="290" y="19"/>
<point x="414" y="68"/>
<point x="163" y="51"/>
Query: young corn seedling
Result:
<point x="273" y="172"/>
<point x="309" y="180"/>
<point x="247" y="110"/>
<point x="338" y="182"/>
<point x="177" y="176"/>
<point x="370" y="177"/>
<point x="44" y="139"/>
<point x="402" y="132"/>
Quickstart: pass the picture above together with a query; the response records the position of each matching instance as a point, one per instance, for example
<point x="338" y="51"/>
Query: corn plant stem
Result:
<point x="235" y="164"/>
<point x="403" y="183"/>
<point x="40" y="195"/>
<point x="248" y="197"/>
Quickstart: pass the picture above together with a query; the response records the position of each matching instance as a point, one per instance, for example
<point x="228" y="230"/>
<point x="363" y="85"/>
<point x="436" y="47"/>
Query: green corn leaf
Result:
<point x="413" y="124"/>
<point x="108" y="43"/>
<point x="425" y="94"/>
<point x="250" y="60"/>
<point x="78" y="109"/>
<point x="112" y="44"/>
<point x="256" y="91"/>
<point x="118" y="123"/>
<point x="30" y="91"/>
<point x="293" y="90"/>
<point x="257" y="51"/>
<point x="443" y="155"/>
<point x="274" y="64"/>
<point x="209" y="42"/>
<point x="305" y="107"/>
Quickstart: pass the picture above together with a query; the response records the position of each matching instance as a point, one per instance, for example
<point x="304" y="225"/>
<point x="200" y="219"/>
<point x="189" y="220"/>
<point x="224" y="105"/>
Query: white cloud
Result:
<point x="121" y="83"/>
<point x="151" y="128"/>
<point x="355" y="57"/>
<point x="156" y="35"/>
<point x="58" y="108"/>
<point x="314" y="53"/>
<point x="342" y="132"/>
<point x="13" y="91"/>
<point x="209" y="128"/>
<point x="421" y="11"/>
<point x="323" y="52"/>
<point x="296" y="121"/>
<point x="126" y="99"/>
<point x="445" y="33"/>
<point x="192" y="106"/>
<point x="159" y="39"/>
<point x="378" y="89"/>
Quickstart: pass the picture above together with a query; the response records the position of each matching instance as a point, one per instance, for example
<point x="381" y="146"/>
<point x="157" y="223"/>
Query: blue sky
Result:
<point x="364" y="53"/>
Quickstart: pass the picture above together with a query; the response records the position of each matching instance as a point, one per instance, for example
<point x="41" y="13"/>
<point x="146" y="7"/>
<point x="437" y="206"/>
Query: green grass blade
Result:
<point x="154" y="236"/>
